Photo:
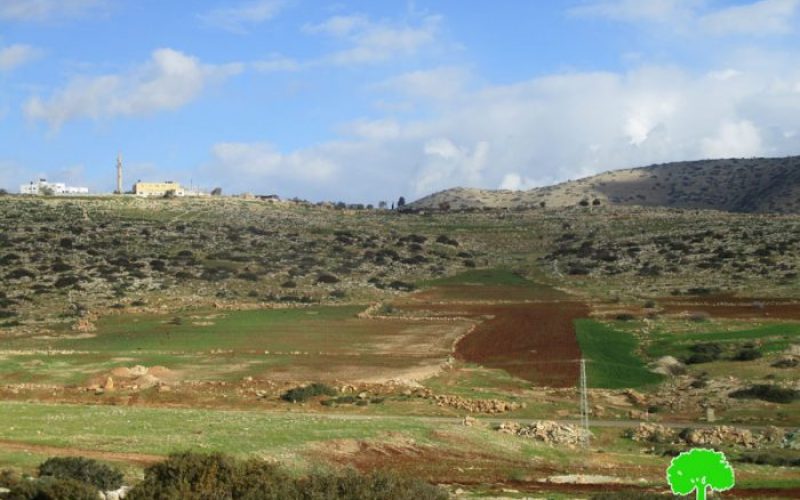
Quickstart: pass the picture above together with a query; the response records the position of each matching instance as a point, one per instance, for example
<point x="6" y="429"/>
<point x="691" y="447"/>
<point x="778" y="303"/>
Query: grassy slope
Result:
<point x="772" y="337"/>
<point x="612" y="362"/>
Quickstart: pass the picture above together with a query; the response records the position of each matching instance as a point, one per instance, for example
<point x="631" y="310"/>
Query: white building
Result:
<point x="41" y="186"/>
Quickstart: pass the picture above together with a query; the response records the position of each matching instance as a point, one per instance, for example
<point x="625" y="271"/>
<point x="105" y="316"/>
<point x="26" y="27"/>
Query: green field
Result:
<point x="771" y="338"/>
<point x="310" y="342"/>
<point x="612" y="362"/>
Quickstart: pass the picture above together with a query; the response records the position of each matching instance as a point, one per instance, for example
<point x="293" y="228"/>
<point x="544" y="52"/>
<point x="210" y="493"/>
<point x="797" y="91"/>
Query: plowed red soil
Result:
<point x="535" y="342"/>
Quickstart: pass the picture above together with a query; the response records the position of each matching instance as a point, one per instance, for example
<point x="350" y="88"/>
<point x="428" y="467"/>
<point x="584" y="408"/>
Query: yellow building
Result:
<point x="157" y="188"/>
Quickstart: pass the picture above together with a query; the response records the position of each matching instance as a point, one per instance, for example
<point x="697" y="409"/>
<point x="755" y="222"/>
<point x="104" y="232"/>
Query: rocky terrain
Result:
<point x="756" y="185"/>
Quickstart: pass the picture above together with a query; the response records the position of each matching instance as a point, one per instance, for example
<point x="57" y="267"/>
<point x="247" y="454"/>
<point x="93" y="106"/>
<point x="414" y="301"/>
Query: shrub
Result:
<point x="217" y="476"/>
<point x="402" y="286"/>
<point x="200" y="476"/>
<point x="786" y="363"/>
<point x="766" y="392"/>
<point x="446" y="240"/>
<point x="65" y="281"/>
<point x="101" y="476"/>
<point x="747" y="354"/>
<point x="375" y="486"/>
<point x="327" y="278"/>
<point x="783" y="458"/>
<point x="704" y="353"/>
<point x="304" y="393"/>
<point x="50" y="488"/>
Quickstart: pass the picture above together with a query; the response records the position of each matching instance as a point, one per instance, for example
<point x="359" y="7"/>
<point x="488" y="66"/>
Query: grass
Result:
<point x="301" y="343"/>
<point x="772" y="337"/>
<point x="162" y="430"/>
<point x="613" y="363"/>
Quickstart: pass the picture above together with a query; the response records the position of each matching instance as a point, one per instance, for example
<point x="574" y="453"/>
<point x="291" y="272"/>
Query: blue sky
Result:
<point x="365" y="101"/>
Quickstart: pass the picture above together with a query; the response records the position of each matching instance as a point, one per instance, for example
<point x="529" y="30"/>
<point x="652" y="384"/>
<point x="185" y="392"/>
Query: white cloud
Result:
<point x="16" y="55"/>
<point x="373" y="42"/>
<point x="638" y="10"/>
<point x="438" y="83"/>
<point x="550" y="129"/>
<point x="170" y="80"/>
<point x="338" y="26"/>
<point x="277" y="62"/>
<point x="445" y="161"/>
<point x="237" y="19"/>
<point x="734" y="139"/>
<point x="701" y="17"/>
<point x="44" y="10"/>
<point x="260" y="160"/>
<point x="373" y="129"/>
<point x="765" y="17"/>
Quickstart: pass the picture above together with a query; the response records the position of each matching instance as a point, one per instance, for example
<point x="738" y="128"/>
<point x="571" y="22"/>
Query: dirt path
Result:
<point x="57" y="451"/>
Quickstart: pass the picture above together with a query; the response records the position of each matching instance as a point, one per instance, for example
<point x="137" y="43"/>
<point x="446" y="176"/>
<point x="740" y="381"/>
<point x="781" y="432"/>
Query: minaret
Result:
<point x="119" y="173"/>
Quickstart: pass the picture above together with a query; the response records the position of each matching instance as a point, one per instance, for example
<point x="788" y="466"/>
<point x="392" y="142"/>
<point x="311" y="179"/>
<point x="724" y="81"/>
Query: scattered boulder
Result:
<point x="668" y="365"/>
<point x="546" y="431"/>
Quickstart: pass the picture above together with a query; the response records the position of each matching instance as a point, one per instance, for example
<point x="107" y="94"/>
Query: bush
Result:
<point x="765" y="392"/>
<point x="327" y="278"/>
<point x="775" y="458"/>
<point x="199" y="476"/>
<point x="50" y="488"/>
<point x="747" y="354"/>
<point x="786" y="363"/>
<point x="216" y="476"/>
<point x="376" y="486"/>
<point x="300" y="394"/>
<point x="102" y="476"/>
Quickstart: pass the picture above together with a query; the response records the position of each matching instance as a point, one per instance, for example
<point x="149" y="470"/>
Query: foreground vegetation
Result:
<point x="210" y="476"/>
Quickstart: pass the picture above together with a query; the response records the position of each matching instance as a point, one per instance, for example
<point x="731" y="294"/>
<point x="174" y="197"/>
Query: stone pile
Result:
<point x="545" y="431"/>
<point x="712" y="436"/>
<point x="476" y="405"/>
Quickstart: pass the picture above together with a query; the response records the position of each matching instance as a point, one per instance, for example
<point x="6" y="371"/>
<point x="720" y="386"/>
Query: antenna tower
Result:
<point x="119" y="173"/>
<point x="584" y="405"/>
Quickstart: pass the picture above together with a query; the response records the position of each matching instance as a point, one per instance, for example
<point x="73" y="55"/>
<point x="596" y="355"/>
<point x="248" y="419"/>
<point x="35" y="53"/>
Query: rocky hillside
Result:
<point x="734" y="185"/>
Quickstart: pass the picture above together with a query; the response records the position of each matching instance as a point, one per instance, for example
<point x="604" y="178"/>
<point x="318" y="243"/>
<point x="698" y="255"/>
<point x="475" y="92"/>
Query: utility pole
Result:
<point x="584" y="405"/>
<point x="119" y="173"/>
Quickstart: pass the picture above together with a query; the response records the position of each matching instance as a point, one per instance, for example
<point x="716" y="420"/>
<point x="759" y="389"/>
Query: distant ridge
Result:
<point x="757" y="185"/>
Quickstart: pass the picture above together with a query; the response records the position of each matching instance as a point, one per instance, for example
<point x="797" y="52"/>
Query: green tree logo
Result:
<point x="698" y="470"/>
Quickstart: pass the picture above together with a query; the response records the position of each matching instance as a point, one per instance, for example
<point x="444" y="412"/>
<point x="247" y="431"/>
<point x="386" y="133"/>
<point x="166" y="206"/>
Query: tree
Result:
<point x="382" y="205"/>
<point x="46" y="191"/>
<point x="217" y="191"/>
<point x="3" y="192"/>
<point x="698" y="470"/>
<point x="401" y="202"/>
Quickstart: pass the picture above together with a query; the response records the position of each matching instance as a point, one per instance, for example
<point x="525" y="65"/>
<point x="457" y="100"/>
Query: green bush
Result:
<point x="216" y="476"/>
<point x="211" y="477"/>
<point x="304" y="393"/>
<point x="86" y="470"/>
<point x="49" y="488"/>
<point x="747" y="354"/>
<point x="376" y="486"/>
<point x="765" y="392"/>
<point x="775" y="458"/>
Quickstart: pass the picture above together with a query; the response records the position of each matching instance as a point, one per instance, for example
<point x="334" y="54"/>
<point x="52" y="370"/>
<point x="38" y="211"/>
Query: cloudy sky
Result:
<point x="363" y="101"/>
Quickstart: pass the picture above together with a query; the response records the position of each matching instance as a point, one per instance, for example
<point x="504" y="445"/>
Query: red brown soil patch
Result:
<point x="535" y="342"/>
<point x="733" y="307"/>
<point x="430" y="463"/>
<point x="56" y="451"/>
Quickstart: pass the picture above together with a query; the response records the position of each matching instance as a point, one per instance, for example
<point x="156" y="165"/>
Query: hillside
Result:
<point x="758" y="185"/>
